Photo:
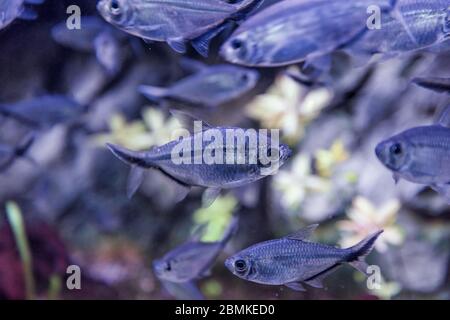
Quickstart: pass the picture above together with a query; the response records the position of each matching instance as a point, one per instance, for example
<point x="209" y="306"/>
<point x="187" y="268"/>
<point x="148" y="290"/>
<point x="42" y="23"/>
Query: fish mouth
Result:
<point x="229" y="264"/>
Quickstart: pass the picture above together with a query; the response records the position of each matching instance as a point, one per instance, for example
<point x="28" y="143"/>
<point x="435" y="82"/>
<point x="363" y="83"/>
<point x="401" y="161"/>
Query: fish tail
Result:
<point x="153" y="93"/>
<point x="132" y="158"/>
<point x="360" y="251"/>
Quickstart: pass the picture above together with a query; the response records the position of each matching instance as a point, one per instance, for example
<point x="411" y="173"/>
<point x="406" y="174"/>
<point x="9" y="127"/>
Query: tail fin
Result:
<point x="153" y="93"/>
<point x="435" y="84"/>
<point x="361" y="250"/>
<point x="133" y="158"/>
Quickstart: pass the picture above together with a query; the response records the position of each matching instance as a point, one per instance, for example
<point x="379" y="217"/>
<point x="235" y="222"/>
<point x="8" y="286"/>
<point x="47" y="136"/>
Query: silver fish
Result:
<point x="192" y="260"/>
<point x="213" y="176"/>
<point x="211" y="86"/>
<point x="411" y="25"/>
<point x="95" y="36"/>
<point x="293" y="260"/>
<point x="13" y="9"/>
<point x="8" y="154"/>
<point x="44" y="111"/>
<point x="292" y="31"/>
<point x="174" y="21"/>
<point x="420" y="155"/>
<point x="435" y="84"/>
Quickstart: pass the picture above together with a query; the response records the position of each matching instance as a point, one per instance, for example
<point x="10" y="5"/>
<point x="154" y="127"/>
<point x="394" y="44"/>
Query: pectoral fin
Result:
<point x="444" y="117"/>
<point x="135" y="179"/>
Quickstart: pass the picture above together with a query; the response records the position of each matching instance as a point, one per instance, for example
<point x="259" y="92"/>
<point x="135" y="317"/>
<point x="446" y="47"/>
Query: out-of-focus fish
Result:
<point x="188" y="161"/>
<point x="412" y="25"/>
<point x="421" y="155"/>
<point x="95" y="36"/>
<point x="292" y="31"/>
<point x="13" y="9"/>
<point x="9" y="154"/>
<point x="211" y="86"/>
<point x="45" y="111"/>
<point x="183" y="291"/>
<point x="192" y="260"/>
<point x="435" y="84"/>
<point x="294" y="260"/>
<point x="175" y="21"/>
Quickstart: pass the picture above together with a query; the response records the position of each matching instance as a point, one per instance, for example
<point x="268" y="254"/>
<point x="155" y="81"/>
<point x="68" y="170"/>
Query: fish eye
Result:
<point x="237" y="44"/>
<point x="168" y="267"/>
<point x="241" y="266"/>
<point x="115" y="7"/>
<point x="396" y="149"/>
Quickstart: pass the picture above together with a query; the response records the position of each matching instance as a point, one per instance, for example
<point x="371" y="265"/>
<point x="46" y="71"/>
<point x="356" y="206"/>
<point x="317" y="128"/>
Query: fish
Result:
<point x="212" y="175"/>
<point x="95" y="36"/>
<point x="183" y="291"/>
<point x="420" y="155"/>
<point x="10" y="10"/>
<point x="192" y="260"/>
<point x="210" y="86"/>
<point x="176" y="22"/>
<point x="9" y="154"/>
<point x="294" y="260"/>
<point x="436" y="84"/>
<point x="411" y="26"/>
<point x="294" y="31"/>
<point x="44" y="111"/>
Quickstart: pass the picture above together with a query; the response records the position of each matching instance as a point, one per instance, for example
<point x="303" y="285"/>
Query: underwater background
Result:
<point x="70" y="201"/>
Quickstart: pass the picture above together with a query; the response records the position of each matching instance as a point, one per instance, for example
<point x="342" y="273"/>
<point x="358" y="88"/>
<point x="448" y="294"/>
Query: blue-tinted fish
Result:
<point x="44" y="111"/>
<point x="211" y="86"/>
<point x="13" y="9"/>
<point x="292" y="31"/>
<point x="175" y="21"/>
<point x="435" y="84"/>
<point x="9" y="154"/>
<point x="410" y="26"/>
<point x="97" y="37"/>
<point x="293" y="260"/>
<point x="192" y="260"/>
<point x="196" y="171"/>
<point x="421" y="155"/>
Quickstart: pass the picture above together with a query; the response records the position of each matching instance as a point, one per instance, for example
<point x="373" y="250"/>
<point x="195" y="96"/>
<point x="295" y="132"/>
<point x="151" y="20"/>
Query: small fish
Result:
<point x="8" y="154"/>
<point x="192" y="260"/>
<point x="410" y="26"/>
<point x="435" y="84"/>
<point x="95" y="36"/>
<point x="213" y="176"/>
<point x="175" y="21"/>
<point x="293" y="260"/>
<point x="211" y="86"/>
<point x="12" y="9"/>
<point x="293" y="31"/>
<point x="420" y="155"/>
<point x="44" y="111"/>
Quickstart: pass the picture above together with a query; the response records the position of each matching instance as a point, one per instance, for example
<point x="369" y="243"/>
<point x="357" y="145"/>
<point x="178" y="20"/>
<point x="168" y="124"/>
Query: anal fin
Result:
<point x="297" y="286"/>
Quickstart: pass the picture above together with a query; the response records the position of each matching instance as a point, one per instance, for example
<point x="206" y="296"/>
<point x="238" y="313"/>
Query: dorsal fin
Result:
<point x="188" y="121"/>
<point x="444" y="117"/>
<point x="303" y="234"/>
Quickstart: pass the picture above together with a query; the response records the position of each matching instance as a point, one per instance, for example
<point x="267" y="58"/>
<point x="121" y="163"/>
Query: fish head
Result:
<point x="166" y="269"/>
<point x="241" y="49"/>
<point x="241" y="265"/>
<point x="116" y="12"/>
<point x="246" y="79"/>
<point x="394" y="153"/>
